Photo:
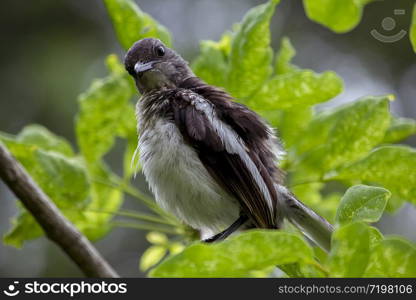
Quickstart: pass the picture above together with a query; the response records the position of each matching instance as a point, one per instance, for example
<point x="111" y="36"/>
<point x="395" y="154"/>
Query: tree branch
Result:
<point x="55" y="225"/>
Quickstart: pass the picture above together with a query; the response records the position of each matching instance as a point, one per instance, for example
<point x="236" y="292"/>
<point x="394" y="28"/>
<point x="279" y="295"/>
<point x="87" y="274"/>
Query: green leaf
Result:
<point x="152" y="256"/>
<point x="251" y="54"/>
<point x="400" y="128"/>
<point x="265" y="273"/>
<point x="284" y="57"/>
<point x="362" y="203"/>
<point x="292" y="270"/>
<point x="237" y="256"/>
<point x="392" y="167"/>
<point x="342" y="135"/>
<point x="296" y="89"/>
<point x="94" y="221"/>
<point x="339" y="16"/>
<point x="132" y="24"/>
<point x="105" y="112"/>
<point x="413" y="29"/>
<point x="349" y="254"/>
<point x="297" y="270"/>
<point x="375" y="236"/>
<point x="290" y="123"/>
<point x="24" y="228"/>
<point x="394" y="204"/>
<point x="392" y="257"/>
<point x="40" y="136"/>
<point x="114" y="66"/>
<point x="63" y="179"/>
<point x="66" y="181"/>
<point x="293" y="90"/>
<point x="212" y="63"/>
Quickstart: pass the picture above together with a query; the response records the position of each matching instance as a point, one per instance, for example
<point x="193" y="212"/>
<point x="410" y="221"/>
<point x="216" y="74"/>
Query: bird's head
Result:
<point x="155" y="66"/>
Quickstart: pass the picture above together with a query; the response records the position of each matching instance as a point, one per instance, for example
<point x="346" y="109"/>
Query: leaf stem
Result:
<point x="148" y="227"/>
<point x="307" y="182"/>
<point x="134" y="215"/>
<point x="320" y="268"/>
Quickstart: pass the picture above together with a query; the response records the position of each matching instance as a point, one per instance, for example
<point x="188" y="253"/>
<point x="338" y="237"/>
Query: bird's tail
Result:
<point x="310" y="223"/>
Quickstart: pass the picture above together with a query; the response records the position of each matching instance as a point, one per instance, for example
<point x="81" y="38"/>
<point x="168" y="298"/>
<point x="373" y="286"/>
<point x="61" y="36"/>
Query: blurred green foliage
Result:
<point x="351" y="145"/>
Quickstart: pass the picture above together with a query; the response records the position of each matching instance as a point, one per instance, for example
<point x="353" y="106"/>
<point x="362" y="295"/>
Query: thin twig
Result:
<point x="130" y="214"/>
<point x="319" y="180"/>
<point x="140" y="226"/>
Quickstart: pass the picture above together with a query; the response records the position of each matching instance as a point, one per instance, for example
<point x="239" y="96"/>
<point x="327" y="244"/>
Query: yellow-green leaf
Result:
<point x="375" y="236"/>
<point x="394" y="204"/>
<point x="296" y="89"/>
<point x="104" y="114"/>
<point x="392" y="257"/>
<point x="413" y="29"/>
<point x="342" y="135"/>
<point x="237" y="256"/>
<point x="400" y="128"/>
<point x="362" y="203"/>
<point x="132" y="24"/>
<point x="212" y="63"/>
<point x="251" y="54"/>
<point x="350" y="247"/>
<point x="152" y="256"/>
<point x="63" y="179"/>
<point x="284" y="57"/>
<point x="338" y="15"/>
<point x="392" y="167"/>
<point x="40" y="136"/>
<point x="24" y="228"/>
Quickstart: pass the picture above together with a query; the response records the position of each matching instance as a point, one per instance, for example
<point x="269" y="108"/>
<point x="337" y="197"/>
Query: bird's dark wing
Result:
<point x="233" y="162"/>
<point x="259" y="137"/>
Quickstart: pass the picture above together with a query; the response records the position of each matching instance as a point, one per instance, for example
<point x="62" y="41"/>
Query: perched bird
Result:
<point x="209" y="160"/>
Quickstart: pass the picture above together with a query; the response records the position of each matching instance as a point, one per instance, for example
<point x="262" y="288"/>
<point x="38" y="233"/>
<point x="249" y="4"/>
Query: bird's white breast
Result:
<point x="180" y="182"/>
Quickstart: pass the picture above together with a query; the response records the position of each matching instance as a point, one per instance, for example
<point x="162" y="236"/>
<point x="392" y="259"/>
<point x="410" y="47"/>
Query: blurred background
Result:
<point x="52" y="49"/>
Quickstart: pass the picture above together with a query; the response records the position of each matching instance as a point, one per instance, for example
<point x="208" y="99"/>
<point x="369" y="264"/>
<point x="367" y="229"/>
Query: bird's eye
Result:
<point x="160" y="51"/>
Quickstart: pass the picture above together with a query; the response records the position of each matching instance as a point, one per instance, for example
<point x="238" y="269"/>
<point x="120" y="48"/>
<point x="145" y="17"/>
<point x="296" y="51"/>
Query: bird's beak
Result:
<point x="140" y="67"/>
